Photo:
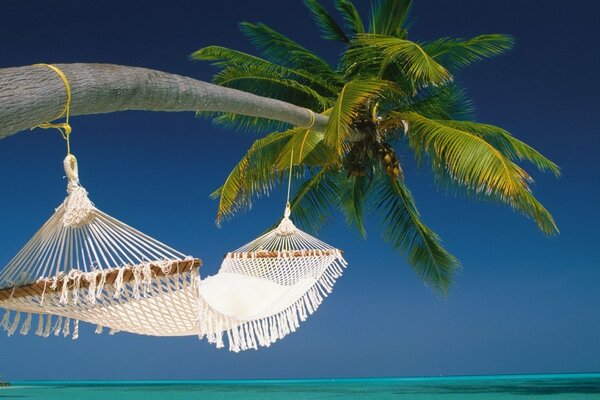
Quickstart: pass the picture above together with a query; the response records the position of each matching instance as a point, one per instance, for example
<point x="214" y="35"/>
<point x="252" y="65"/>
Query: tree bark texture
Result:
<point x="32" y="95"/>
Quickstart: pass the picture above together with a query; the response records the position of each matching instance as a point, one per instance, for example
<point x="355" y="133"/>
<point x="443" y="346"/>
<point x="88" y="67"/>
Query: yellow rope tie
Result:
<point x="64" y="127"/>
<point x="313" y="119"/>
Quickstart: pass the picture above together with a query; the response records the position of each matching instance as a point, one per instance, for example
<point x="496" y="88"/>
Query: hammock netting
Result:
<point x="266" y="288"/>
<point x="84" y="265"/>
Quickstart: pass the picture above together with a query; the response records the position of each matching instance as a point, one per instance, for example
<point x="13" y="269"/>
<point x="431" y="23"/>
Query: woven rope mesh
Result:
<point x="86" y="265"/>
<point x="286" y="271"/>
<point x="267" y="287"/>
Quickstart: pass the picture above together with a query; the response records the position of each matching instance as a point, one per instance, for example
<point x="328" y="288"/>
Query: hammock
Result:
<point x="85" y="265"/>
<point x="264" y="289"/>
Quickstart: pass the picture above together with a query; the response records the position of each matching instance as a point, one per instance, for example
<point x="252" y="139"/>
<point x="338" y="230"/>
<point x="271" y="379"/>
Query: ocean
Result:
<point x="540" y="387"/>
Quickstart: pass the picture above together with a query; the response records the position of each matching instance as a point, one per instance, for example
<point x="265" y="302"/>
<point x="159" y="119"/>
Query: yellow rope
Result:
<point x="64" y="127"/>
<point x="313" y="119"/>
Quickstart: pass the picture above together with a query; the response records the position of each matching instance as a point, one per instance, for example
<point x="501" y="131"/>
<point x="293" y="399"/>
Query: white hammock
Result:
<point x="266" y="288"/>
<point x="85" y="265"/>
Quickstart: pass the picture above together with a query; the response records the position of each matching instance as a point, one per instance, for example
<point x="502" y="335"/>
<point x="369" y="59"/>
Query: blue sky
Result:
<point x="522" y="303"/>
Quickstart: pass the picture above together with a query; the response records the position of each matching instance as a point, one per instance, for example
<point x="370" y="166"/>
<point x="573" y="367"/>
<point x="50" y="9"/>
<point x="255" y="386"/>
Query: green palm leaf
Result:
<point x="263" y="83"/>
<point x="230" y="194"/>
<point x="243" y="123"/>
<point x="281" y="50"/>
<point x="351" y="16"/>
<point x="464" y="158"/>
<point x="253" y="175"/>
<point x="412" y="59"/>
<point x="446" y="102"/>
<point x="326" y="190"/>
<point x="329" y="28"/>
<point x="405" y="231"/>
<point x="224" y="57"/>
<point x="352" y="98"/>
<point x="307" y="148"/>
<point x="314" y="201"/>
<point x="459" y="53"/>
<point x="389" y="17"/>
<point x="507" y="144"/>
<point x="352" y="201"/>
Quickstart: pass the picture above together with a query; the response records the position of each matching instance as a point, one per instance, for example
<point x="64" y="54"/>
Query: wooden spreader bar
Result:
<point x="275" y="254"/>
<point x="36" y="289"/>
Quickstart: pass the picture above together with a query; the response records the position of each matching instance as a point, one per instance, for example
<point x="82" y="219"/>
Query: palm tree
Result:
<point x="387" y="92"/>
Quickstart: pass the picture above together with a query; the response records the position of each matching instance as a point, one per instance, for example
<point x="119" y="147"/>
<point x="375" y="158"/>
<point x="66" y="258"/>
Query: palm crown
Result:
<point x="385" y="93"/>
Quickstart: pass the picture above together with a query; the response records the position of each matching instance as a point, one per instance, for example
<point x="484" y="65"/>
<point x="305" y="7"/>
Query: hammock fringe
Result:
<point x="250" y="334"/>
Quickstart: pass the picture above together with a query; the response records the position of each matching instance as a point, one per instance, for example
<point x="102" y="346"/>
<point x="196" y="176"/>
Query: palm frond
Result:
<point x="405" y="231"/>
<point x="253" y="175"/>
<point x="224" y="57"/>
<point x="461" y="157"/>
<point x="443" y="102"/>
<point x="314" y="201"/>
<point x="458" y="53"/>
<point x="329" y="28"/>
<point x="230" y="193"/>
<point x="352" y="98"/>
<point x="352" y="201"/>
<point x="307" y="148"/>
<point x="352" y="19"/>
<point x="390" y="17"/>
<point x="412" y="59"/>
<point x="243" y="123"/>
<point x="281" y="50"/>
<point x="263" y="83"/>
<point x="506" y="143"/>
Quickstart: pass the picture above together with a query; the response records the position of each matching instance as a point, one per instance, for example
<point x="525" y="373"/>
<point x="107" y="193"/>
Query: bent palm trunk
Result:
<point x="32" y="95"/>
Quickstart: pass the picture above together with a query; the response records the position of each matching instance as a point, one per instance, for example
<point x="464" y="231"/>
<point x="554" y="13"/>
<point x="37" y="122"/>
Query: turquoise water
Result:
<point x="539" y="387"/>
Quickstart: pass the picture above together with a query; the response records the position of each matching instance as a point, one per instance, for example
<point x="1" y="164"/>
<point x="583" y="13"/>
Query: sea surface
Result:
<point x="540" y="387"/>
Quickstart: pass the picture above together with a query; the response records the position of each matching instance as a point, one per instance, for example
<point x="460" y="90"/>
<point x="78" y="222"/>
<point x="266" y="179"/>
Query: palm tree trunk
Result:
<point x="32" y="95"/>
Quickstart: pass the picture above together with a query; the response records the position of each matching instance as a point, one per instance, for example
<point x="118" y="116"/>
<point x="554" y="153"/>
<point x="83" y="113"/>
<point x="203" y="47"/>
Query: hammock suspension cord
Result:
<point x="64" y="127"/>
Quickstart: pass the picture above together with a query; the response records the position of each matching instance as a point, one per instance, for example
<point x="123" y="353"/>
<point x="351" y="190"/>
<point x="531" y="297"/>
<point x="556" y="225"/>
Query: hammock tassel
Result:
<point x="4" y="324"/>
<point x="57" y="326"/>
<point x="66" y="327"/>
<point x="48" y="329"/>
<point x="26" y="325"/>
<point x="40" y="327"/>
<point x="15" y="324"/>
<point x="76" y="329"/>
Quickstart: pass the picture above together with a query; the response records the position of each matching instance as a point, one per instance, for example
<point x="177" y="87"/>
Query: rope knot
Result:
<point x="286" y="227"/>
<point x="78" y="207"/>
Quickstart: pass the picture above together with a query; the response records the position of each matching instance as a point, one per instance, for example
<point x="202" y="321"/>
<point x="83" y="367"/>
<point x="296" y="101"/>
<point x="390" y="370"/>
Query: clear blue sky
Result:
<point x="523" y="303"/>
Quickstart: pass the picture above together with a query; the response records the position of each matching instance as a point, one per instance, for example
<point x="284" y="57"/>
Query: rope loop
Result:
<point x="313" y="119"/>
<point x="71" y="168"/>
<point x="64" y="127"/>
